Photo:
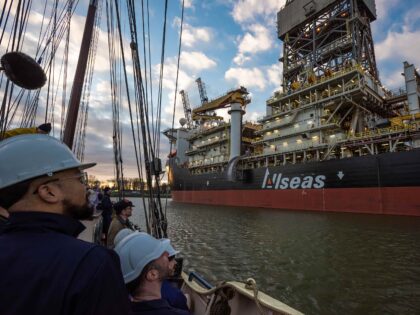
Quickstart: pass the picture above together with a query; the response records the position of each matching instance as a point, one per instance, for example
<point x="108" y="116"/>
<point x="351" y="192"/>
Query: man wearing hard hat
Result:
<point x="45" y="269"/>
<point x="145" y="263"/>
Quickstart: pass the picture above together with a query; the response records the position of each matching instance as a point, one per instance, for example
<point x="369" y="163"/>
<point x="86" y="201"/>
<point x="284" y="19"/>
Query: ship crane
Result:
<point x="202" y="91"/>
<point x="235" y="96"/>
<point x="187" y="108"/>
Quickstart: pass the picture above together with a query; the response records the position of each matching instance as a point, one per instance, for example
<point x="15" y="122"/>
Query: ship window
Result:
<point x="299" y="140"/>
<point x="296" y="125"/>
<point x="285" y="144"/>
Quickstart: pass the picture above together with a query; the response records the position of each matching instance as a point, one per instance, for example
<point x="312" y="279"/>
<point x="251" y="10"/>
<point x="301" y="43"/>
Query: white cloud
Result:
<point x="404" y="46"/>
<point x="249" y="10"/>
<point x="168" y="83"/>
<point x="191" y="36"/>
<point x="258" y="39"/>
<point x="253" y="115"/>
<point x="246" y="77"/>
<point x="188" y="3"/>
<point x="393" y="80"/>
<point x="169" y="75"/>
<point x="196" y="61"/>
<point x="240" y="59"/>
<point x="274" y="75"/>
<point x="383" y="7"/>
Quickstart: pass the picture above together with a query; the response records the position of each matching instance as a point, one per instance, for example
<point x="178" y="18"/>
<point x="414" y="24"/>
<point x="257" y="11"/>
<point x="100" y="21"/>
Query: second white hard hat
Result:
<point x="136" y="250"/>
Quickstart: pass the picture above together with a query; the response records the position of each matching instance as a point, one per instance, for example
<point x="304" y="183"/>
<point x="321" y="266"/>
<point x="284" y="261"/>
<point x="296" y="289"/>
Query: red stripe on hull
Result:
<point x="389" y="200"/>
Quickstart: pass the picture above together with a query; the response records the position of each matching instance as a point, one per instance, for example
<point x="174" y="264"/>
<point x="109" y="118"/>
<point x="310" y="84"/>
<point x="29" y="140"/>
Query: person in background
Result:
<point x="46" y="269"/>
<point x="92" y="196"/>
<point x="145" y="264"/>
<point x="41" y="129"/>
<point x="123" y="210"/>
<point x="106" y="207"/>
<point x="169" y="291"/>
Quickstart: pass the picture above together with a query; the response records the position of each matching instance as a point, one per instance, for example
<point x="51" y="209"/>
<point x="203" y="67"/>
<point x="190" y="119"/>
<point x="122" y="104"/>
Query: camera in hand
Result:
<point x="178" y="267"/>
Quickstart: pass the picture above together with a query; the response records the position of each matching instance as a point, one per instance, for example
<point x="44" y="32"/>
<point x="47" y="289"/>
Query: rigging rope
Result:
<point x="49" y="39"/>
<point x="116" y="126"/>
<point x="176" y="81"/>
<point x="162" y="62"/>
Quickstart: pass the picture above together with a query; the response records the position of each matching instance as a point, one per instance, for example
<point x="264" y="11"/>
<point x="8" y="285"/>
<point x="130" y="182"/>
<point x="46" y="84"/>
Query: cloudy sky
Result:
<point x="227" y="43"/>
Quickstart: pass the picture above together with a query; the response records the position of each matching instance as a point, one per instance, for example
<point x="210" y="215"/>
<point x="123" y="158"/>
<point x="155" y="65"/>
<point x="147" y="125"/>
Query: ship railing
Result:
<point x="383" y="131"/>
<point x="322" y="79"/>
<point x="398" y="92"/>
<point x="207" y="143"/>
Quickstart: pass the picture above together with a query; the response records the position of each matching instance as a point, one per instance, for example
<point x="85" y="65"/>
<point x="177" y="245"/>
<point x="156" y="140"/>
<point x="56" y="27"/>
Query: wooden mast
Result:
<point x="79" y="76"/>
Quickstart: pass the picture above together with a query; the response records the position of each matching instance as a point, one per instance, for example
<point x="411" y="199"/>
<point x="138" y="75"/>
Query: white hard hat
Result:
<point x="136" y="250"/>
<point x="32" y="155"/>
<point x="169" y="248"/>
<point x="121" y="235"/>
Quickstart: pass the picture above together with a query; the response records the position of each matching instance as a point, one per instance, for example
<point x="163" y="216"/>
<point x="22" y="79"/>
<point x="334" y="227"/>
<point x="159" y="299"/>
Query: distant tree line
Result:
<point x="129" y="184"/>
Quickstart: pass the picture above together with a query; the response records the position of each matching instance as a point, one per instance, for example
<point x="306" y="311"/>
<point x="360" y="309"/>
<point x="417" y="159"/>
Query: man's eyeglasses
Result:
<point x="170" y="258"/>
<point x="82" y="177"/>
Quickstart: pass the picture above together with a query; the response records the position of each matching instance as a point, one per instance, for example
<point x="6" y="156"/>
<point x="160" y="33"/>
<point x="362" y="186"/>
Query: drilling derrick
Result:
<point x="331" y="91"/>
<point x="202" y="91"/>
<point x="321" y="37"/>
<point x="187" y="108"/>
<point x="330" y="76"/>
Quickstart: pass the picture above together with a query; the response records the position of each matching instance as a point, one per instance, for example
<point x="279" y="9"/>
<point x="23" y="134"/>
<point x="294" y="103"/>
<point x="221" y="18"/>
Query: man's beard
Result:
<point x="82" y="212"/>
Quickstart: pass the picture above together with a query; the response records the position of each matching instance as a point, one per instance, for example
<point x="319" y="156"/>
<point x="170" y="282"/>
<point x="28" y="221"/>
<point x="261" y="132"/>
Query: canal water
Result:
<point x="318" y="263"/>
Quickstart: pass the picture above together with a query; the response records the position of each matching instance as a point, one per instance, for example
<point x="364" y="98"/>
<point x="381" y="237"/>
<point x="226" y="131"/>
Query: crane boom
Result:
<point x="187" y="108"/>
<point x="235" y="96"/>
<point x="202" y="91"/>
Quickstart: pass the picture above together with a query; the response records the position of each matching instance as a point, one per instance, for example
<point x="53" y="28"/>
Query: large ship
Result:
<point x="333" y="138"/>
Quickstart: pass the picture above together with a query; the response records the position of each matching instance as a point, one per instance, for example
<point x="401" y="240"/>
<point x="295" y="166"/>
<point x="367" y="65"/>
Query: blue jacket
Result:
<point x="173" y="295"/>
<point x="46" y="270"/>
<point x="156" y="307"/>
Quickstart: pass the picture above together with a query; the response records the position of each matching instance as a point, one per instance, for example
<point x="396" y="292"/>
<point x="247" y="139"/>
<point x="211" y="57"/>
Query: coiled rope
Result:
<point x="251" y="284"/>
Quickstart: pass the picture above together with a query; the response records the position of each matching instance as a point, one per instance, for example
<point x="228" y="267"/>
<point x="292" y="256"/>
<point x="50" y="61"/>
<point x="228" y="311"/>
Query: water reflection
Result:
<point x="318" y="263"/>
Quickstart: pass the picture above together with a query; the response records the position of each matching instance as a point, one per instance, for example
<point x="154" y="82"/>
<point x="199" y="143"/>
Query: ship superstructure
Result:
<point x="333" y="104"/>
<point x="332" y="139"/>
<point x="206" y="141"/>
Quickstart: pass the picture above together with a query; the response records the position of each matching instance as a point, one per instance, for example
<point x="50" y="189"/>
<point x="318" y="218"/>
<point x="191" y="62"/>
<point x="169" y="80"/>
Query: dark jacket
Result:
<point x="46" y="270"/>
<point x="106" y="207"/>
<point x="3" y="220"/>
<point x="156" y="307"/>
<point x="173" y="295"/>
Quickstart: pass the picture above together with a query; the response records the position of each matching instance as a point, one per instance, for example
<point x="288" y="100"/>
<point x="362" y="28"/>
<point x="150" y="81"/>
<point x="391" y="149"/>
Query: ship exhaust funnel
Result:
<point x="236" y="113"/>
<point x="412" y="84"/>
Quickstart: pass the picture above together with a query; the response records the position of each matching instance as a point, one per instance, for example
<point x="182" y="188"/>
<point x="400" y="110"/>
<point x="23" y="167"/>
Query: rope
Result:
<point x="162" y="62"/>
<point x="251" y="284"/>
<point x="176" y="82"/>
<point x="65" y="62"/>
<point x="49" y="40"/>
<point x="116" y="105"/>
